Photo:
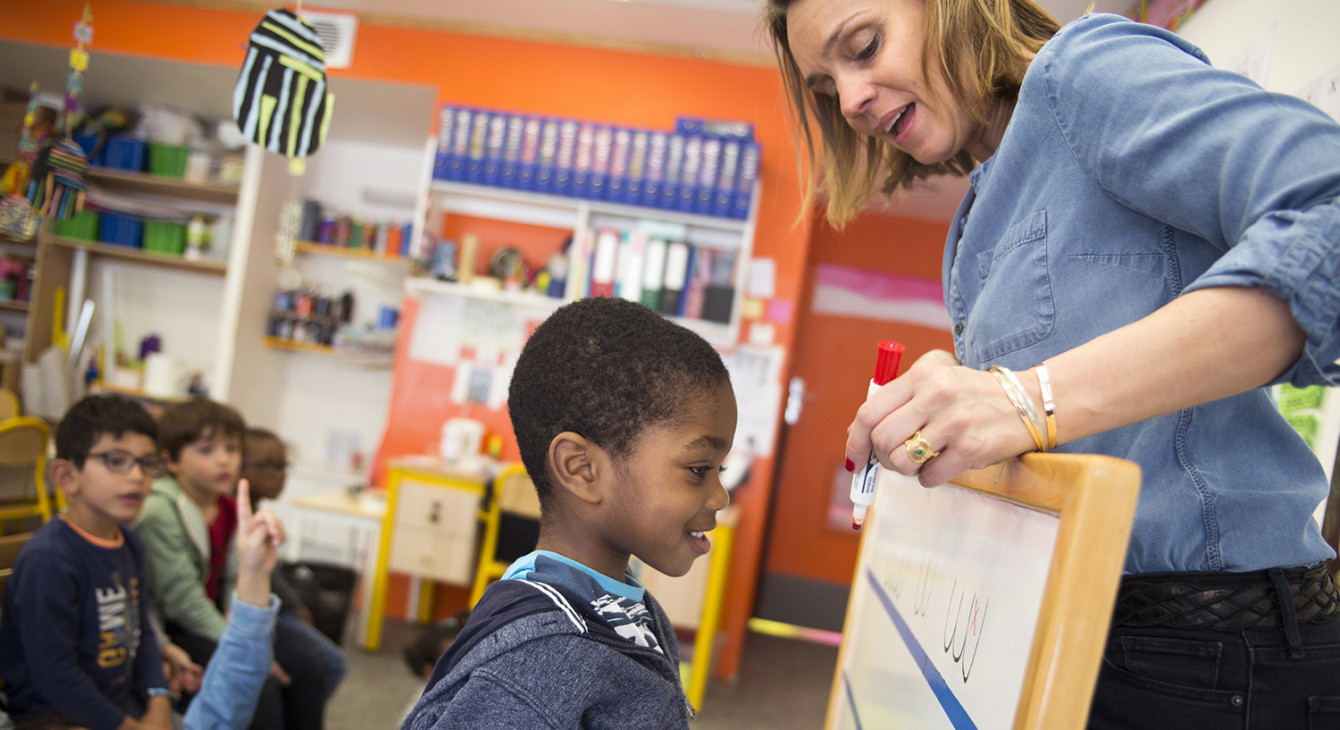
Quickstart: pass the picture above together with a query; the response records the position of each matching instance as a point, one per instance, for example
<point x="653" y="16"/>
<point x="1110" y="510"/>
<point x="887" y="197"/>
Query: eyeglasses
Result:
<point x="122" y="462"/>
<point x="272" y="466"/>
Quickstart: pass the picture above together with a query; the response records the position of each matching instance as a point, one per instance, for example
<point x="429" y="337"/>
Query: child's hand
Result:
<point x="259" y="536"/>
<point x="183" y="675"/>
<point x="279" y="674"/>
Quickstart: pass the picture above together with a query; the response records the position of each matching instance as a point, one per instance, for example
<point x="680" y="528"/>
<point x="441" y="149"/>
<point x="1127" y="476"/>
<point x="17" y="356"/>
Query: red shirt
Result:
<point x="220" y="534"/>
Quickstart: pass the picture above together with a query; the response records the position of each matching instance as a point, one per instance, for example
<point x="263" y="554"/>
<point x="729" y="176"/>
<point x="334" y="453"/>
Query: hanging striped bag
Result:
<point x="281" y="101"/>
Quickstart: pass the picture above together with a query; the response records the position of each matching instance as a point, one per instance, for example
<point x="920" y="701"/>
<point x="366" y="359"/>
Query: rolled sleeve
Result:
<point x="1293" y="255"/>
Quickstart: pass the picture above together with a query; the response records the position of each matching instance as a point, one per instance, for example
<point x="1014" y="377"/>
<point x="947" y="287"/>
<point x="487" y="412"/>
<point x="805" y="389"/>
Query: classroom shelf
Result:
<point x="12" y="305"/>
<point x="18" y="241"/>
<point x="420" y="285"/>
<point x="125" y="253"/>
<point x="557" y="211"/>
<point x="280" y="343"/>
<point x="360" y="254"/>
<point x="143" y="182"/>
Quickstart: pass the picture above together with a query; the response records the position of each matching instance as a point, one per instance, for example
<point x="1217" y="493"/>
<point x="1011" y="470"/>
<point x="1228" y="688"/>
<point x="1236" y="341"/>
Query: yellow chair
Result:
<point x="513" y="494"/>
<point x="10" y="545"/>
<point x="23" y="466"/>
<point x="9" y="404"/>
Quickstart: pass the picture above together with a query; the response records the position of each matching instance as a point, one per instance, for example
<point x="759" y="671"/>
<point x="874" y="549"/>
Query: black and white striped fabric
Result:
<point x="281" y="101"/>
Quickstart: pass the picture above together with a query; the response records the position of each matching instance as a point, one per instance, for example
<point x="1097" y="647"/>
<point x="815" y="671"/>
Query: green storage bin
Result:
<point x="168" y="160"/>
<point x="164" y="237"/>
<point x="83" y="226"/>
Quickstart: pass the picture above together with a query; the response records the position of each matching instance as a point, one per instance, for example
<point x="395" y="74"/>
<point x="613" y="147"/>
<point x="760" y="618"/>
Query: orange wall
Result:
<point x="604" y="85"/>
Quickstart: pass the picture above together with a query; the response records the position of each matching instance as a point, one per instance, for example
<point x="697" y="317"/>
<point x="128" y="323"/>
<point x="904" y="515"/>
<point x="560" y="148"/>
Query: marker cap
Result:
<point x="886" y="362"/>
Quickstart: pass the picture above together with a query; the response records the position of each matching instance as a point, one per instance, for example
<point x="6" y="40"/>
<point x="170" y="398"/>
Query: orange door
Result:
<point x="808" y="563"/>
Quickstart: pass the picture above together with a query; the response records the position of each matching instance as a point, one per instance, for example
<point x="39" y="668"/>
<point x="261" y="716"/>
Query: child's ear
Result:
<point x="169" y="463"/>
<point x="64" y="475"/>
<point x="576" y="464"/>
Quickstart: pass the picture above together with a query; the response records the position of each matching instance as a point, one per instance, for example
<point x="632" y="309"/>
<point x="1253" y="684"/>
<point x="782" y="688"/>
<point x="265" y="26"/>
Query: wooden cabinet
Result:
<point x="434" y="534"/>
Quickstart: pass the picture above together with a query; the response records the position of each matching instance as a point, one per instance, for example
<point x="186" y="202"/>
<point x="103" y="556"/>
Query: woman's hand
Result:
<point x="962" y="413"/>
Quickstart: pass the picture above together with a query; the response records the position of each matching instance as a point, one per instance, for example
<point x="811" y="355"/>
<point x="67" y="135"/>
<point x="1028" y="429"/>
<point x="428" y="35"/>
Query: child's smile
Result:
<point x="670" y="485"/>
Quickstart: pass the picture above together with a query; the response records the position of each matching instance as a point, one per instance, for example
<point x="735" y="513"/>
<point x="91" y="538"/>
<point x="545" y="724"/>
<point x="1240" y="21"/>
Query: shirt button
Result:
<point x="958" y="328"/>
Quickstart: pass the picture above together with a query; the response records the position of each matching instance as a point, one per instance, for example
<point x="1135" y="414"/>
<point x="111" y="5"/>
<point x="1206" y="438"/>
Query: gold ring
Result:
<point x="919" y="449"/>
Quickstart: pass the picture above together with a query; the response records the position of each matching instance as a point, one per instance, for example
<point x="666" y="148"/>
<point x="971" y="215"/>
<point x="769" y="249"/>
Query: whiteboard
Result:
<point x="968" y="597"/>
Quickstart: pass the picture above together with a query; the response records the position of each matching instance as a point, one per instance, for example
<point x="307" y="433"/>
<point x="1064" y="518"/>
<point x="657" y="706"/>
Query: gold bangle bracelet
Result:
<point x="1048" y="405"/>
<point x="1014" y="390"/>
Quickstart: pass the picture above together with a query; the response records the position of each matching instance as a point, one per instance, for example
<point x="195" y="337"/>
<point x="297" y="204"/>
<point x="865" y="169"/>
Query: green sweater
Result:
<point x="176" y="560"/>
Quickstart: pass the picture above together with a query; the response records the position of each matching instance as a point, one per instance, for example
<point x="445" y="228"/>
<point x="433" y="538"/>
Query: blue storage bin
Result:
<point x="87" y="142"/>
<point x="124" y="153"/>
<point x="120" y="229"/>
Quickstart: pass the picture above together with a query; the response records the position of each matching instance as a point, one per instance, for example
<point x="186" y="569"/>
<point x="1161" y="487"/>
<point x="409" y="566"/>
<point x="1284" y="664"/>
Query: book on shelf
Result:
<point x="632" y="252"/>
<point x="675" y="274"/>
<point x="653" y="272"/>
<point x="605" y="262"/>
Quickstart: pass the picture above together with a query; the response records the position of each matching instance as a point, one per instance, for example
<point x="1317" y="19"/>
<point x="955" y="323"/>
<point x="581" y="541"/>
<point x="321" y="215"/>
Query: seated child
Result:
<point x="623" y="419"/>
<point x="77" y="647"/>
<point x="187" y="526"/>
<point x="265" y="468"/>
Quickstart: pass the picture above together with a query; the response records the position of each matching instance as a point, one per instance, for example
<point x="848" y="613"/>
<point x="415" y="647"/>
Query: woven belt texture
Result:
<point x="1224" y="602"/>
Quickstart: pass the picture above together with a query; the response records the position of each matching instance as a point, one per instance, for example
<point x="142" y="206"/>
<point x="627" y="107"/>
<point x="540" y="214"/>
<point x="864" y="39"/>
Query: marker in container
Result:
<point x="864" y="480"/>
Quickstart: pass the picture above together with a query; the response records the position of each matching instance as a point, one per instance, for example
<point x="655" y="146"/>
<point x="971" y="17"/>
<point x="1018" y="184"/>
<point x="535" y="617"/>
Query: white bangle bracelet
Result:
<point x="1048" y="405"/>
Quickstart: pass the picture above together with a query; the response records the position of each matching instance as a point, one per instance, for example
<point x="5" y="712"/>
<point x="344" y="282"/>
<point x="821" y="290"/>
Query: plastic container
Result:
<point x="165" y="237"/>
<point x="168" y="160"/>
<point x="120" y="229"/>
<point x="83" y="226"/>
<point x="123" y="153"/>
<point x="87" y="143"/>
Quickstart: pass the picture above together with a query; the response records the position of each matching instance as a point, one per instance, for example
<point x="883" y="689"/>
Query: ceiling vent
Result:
<point x="337" y="32"/>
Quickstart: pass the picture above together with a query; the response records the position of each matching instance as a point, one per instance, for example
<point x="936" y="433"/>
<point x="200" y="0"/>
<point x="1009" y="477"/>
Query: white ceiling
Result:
<point x="710" y="28"/>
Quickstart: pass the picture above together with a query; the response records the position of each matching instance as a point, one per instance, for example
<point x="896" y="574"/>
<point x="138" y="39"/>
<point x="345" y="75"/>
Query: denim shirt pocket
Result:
<point x="1014" y="307"/>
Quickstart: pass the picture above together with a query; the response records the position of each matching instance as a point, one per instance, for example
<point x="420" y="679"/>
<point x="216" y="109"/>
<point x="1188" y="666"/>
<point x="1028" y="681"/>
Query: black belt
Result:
<point x="1226" y="601"/>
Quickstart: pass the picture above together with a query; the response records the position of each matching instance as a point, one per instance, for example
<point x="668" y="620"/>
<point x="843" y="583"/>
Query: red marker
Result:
<point x="863" y="482"/>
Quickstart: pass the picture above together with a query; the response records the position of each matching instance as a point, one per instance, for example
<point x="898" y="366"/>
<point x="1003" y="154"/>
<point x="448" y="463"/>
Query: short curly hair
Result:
<point x="607" y="369"/>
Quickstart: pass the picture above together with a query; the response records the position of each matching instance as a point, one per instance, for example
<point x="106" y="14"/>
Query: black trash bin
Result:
<point x="327" y="591"/>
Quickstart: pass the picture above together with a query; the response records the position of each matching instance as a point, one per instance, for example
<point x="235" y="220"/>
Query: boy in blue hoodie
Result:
<point x="623" y="420"/>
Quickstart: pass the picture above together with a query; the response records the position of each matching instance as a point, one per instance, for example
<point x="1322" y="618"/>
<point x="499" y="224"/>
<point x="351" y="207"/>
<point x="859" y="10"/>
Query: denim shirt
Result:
<point x="1130" y="173"/>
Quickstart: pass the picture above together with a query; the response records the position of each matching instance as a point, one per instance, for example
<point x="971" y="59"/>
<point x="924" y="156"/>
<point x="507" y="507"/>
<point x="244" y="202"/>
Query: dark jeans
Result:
<point x="300" y="705"/>
<point x="1161" y="678"/>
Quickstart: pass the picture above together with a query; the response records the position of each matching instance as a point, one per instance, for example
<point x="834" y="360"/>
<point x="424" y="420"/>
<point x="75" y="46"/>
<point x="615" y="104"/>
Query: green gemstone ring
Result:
<point x="919" y="449"/>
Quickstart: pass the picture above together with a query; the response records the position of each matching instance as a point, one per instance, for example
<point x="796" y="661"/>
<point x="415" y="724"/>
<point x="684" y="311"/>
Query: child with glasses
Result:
<point x="77" y="648"/>
<point x="188" y="524"/>
<point x="265" y="467"/>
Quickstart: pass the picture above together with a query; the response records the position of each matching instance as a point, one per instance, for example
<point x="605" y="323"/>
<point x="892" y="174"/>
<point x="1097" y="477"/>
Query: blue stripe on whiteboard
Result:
<point x="954" y="711"/>
<point x="851" y="700"/>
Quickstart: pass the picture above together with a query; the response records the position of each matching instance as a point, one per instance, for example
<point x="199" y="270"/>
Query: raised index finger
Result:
<point x="244" y="515"/>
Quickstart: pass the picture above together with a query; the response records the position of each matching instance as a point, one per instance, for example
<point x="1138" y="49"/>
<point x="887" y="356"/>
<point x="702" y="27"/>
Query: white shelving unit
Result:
<point x="582" y="216"/>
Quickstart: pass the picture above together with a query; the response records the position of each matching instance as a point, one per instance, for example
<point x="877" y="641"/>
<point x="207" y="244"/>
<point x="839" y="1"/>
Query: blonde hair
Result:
<point x="983" y="48"/>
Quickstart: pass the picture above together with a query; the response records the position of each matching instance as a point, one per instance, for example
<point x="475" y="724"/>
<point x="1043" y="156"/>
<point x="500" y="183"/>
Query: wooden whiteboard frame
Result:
<point x="1094" y="498"/>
